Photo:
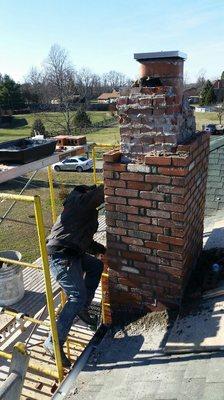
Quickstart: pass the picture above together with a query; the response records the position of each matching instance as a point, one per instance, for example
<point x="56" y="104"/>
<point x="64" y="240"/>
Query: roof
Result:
<point x="131" y="365"/>
<point x="218" y="84"/>
<point x="107" y="96"/>
<point x="160" y="55"/>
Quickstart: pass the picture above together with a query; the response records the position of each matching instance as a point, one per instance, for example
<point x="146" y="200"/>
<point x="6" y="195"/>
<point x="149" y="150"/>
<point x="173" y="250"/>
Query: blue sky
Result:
<point x="104" y="34"/>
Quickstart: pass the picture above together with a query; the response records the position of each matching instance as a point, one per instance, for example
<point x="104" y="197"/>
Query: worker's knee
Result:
<point x="77" y="300"/>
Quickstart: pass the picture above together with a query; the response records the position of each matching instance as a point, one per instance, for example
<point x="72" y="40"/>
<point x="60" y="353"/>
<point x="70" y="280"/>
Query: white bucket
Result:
<point x="11" y="280"/>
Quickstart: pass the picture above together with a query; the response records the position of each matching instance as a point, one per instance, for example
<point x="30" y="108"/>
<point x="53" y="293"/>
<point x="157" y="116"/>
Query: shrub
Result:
<point x="82" y="120"/>
<point x="38" y="128"/>
<point x="207" y="94"/>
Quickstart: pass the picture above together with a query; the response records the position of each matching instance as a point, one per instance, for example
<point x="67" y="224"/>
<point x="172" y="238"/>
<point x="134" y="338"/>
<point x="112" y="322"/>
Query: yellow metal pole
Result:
<point x="34" y="367"/>
<point x="52" y="194"/>
<point x="17" y="197"/>
<point x="94" y="165"/>
<point x="48" y="287"/>
<point x="19" y="263"/>
<point x="63" y="301"/>
<point x="26" y="318"/>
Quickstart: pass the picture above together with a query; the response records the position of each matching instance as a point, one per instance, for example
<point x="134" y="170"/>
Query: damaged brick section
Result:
<point x="155" y="199"/>
<point x="155" y="118"/>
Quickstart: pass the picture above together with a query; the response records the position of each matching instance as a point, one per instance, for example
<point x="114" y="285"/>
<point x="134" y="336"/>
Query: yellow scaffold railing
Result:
<point x="49" y="293"/>
<point x="58" y="373"/>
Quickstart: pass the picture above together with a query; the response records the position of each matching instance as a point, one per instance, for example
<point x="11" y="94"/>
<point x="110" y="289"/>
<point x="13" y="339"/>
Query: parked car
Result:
<point x="78" y="164"/>
<point x="211" y="128"/>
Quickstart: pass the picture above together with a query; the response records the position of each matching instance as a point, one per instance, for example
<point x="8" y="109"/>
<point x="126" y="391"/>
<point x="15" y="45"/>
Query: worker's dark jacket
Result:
<point x="73" y="231"/>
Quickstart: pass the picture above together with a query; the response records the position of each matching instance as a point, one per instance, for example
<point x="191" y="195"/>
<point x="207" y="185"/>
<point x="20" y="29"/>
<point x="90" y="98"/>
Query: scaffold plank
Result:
<point x="12" y="171"/>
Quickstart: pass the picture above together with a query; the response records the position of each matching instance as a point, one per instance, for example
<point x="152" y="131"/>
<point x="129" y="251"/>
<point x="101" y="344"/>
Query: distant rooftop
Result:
<point x="107" y="96"/>
<point x="160" y="54"/>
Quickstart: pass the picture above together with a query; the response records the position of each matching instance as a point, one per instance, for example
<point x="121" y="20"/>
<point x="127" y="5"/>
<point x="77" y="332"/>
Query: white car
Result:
<point x="78" y="164"/>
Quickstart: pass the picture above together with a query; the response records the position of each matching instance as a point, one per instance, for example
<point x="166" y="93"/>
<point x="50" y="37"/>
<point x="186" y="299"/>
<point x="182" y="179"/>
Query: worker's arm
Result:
<point x="96" y="248"/>
<point x="93" y="198"/>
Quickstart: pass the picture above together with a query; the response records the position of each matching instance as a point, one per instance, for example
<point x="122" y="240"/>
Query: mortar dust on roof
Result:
<point x="150" y="321"/>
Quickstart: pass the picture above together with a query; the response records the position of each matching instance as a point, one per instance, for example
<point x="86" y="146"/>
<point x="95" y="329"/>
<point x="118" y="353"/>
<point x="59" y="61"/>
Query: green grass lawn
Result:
<point x="205" y="118"/>
<point x="17" y="131"/>
<point x="106" y="135"/>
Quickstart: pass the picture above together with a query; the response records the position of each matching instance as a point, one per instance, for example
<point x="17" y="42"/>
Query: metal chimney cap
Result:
<point x="160" y="55"/>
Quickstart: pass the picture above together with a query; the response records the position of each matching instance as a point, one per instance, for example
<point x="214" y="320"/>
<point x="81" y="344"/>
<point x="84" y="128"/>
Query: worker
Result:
<point x="70" y="245"/>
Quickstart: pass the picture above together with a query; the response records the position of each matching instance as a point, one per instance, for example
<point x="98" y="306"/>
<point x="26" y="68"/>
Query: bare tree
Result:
<point x="33" y="87"/>
<point x="201" y="80"/>
<point x="114" y="80"/>
<point x="60" y="83"/>
<point x="88" y="84"/>
<point x="220" y="113"/>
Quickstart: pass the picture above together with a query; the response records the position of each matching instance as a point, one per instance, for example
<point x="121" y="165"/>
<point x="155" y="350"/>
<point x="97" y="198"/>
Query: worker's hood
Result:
<point x="75" y="193"/>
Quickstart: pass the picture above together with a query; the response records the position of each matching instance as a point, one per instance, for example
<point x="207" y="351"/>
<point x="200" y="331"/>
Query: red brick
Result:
<point x="140" y="203"/>
<point x="167" y="223"/>
<point x="122" y="101"/>
<point x="114" y="183"/>
<point x="109" y="191"/>
<point x="157" y="160"/>
<point x="118" y="246"/>
<point x="151" y="196"/>
<point x="115" y="200"/>
<point x="171" y="189"/>
<point x="127" y="224"/>
<point x="181" y="161"/>
<point x="156" y="245"/>
<point x="171" y="207"/>
<point x="158" y="179"/>
<point x="170" y="255"/>
<point x="171" y="240"/>
<point x="132" y="240"/>
<point x="116" y="231"/>
<point x="158" y="214"/>
<point x="109" y="207"/>
<point x="126" y="192"/>
<point x="139" y="249"/>
<point x="137" y="218"/>
<point x="173" y="272"/>
<point x="112" y="156"/>
<point x="179" y="181"/>
<point x="173" y="171"/>
<point x="177" y="264"/>
<point x="108" y="174"/>
<point x="133" y="255"/>
<point x="132" y="176"/>
<point x="180" y="199"/>
<point x="127" y="209"/>
<point x="150" y="228"/>
<point x="178" y="232"/>
<point x="178" y="216"/>
<point x="139" y="185"/>
<point x="114" y="167"/>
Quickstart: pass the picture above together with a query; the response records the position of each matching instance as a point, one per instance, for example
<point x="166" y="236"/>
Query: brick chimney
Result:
<point x="155" y="192"/>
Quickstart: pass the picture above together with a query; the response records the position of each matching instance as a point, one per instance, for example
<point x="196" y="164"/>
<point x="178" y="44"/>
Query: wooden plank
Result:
<point x="8" y="172"/>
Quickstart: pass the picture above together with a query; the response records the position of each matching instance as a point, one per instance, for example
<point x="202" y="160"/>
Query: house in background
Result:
<point x="108" y="97"/>
<point x="192" y="94"/>
<point x="218" y="86"/>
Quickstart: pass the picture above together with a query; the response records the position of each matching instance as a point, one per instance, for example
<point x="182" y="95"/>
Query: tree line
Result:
<point x="58" y="82"/>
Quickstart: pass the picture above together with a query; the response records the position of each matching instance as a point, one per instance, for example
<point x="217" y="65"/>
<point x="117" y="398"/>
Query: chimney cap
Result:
<point x="160" y="55"/>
